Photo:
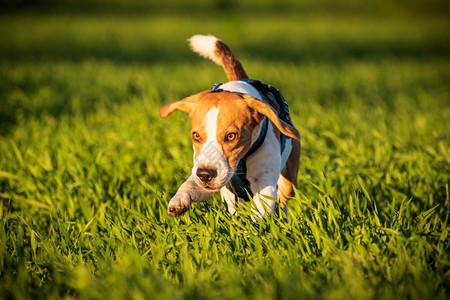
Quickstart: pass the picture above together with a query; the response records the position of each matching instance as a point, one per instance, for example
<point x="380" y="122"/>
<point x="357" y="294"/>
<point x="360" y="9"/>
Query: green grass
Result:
<point x="87" y="167"/>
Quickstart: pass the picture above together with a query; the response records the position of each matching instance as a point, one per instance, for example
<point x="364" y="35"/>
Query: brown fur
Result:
<point x="231" y="65"/>
<point x="288" y="177"/>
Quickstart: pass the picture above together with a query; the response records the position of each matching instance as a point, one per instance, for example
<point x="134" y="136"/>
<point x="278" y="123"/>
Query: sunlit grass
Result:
<point x="87" y="166"/>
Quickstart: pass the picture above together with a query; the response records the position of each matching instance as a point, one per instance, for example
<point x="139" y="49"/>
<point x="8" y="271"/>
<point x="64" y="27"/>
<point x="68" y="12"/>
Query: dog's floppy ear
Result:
<point x="270" y="113"/>
<point x="185" y="105"/>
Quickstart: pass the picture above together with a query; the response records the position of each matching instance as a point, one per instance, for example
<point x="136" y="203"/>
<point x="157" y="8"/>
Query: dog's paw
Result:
<point x="179" y="204"/>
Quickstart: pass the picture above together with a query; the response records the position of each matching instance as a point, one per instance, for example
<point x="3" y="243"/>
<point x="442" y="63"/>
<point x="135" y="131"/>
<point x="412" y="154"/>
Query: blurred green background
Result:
<point x="148" y="33"/>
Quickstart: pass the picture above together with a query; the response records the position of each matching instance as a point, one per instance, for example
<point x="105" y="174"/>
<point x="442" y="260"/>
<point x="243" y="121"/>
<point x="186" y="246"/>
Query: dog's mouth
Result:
<point x="211" y="188"/>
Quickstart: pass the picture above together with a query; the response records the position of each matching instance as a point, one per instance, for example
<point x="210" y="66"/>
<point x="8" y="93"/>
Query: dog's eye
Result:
<point x="230" y="137"/>
<point x="196" y="136"/>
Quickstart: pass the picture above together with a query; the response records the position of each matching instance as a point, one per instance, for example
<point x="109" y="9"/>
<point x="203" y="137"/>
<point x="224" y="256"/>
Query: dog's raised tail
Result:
<point x="211" y="47"/>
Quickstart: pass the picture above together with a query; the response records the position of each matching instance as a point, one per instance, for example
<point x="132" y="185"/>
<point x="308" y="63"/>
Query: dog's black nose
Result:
<point x="206" y="175"/>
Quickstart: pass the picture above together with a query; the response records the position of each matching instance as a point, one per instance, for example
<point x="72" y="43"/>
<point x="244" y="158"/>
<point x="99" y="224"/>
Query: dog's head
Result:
<point x="224" y="126"/>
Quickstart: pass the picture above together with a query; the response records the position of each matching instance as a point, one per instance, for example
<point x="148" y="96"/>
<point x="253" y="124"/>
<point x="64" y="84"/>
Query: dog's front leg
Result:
<point x="263" y="170"/>
<point x="187" y="193"/>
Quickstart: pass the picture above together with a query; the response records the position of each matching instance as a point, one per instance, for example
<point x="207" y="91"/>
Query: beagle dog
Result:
<point x="245" y="145"/>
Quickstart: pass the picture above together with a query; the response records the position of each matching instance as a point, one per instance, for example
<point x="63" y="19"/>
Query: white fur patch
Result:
<point x="210" y="151"/>
<point x="211" y="155"/>
<point x="205" y="46"/>
<point x="211" y="126"/>
<point x="241" y="87"/>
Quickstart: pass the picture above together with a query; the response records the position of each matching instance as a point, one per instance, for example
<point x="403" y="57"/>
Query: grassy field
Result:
<point x="87" y="167"/>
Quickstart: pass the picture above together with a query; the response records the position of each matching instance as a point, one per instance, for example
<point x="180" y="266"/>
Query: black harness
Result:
<point x="239" y="182"/>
